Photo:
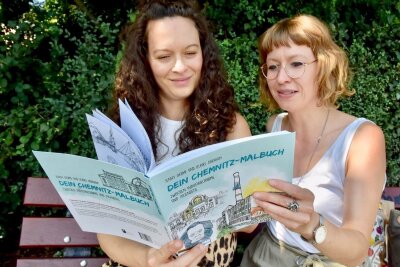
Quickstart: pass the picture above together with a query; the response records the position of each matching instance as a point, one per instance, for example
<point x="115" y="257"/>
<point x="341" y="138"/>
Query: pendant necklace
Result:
<point x="315" y="147"/>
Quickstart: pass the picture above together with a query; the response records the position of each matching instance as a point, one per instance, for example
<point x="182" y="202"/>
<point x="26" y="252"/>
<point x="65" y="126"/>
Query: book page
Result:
<point x="207" y="195"/>
<point x="113" y="145"/>
<point x="132" y="126"/>
<point x="181" y="158"/>
<point x="106" y="198"/>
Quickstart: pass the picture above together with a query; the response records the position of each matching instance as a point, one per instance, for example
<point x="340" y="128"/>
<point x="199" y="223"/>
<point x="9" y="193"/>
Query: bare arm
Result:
<point x="366" y="164"/>
<point x="347" y="244"/>
<point x="121" y="250"/>
<point x="130" y="253"/>
<point x="240" y="129"/>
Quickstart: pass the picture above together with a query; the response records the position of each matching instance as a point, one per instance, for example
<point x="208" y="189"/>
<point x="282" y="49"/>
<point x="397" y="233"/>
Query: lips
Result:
<point x="286" y="92"/>
<point x="180" y="79"/>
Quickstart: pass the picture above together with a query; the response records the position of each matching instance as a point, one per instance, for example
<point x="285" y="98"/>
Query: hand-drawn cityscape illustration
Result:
<point x="243" y="212"/>
<point x="127" y="150"/>
<point x="198" y="232"/>
<point x="136" y="187"/>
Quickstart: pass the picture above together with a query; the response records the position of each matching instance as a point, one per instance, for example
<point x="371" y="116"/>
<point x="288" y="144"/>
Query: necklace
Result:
<point x="315" y="147"/>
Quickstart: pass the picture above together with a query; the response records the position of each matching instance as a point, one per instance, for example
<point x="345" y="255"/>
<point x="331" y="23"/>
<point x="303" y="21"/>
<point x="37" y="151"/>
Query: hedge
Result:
<point x="57" y="63"/>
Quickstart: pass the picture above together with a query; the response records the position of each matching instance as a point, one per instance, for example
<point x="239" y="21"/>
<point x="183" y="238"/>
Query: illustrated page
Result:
<point x="106" y="198"/>
<point x="210" y="195"/>
<point x="113" y="145"/>
<point x="132" y="126"/>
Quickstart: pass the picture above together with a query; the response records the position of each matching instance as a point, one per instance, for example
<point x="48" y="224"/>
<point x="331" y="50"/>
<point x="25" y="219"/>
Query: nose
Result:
<point x="282" y="75"/>
<point x="179" y="65"/>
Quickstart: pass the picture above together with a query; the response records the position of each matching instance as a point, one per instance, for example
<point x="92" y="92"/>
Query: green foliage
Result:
<point x="57" y="62"/>
<point x="11" y="9"/>
<point x="49" y="79"/>
<point x="376" y="69"/>
<point x="234" y="18"/>
<point x="241" y="61"/>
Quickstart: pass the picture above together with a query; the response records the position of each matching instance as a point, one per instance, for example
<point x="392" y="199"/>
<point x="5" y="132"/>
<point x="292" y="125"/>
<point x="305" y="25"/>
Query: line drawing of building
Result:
<point x="126" y="150"/>
<point x="237" y="187"/>
<point x="136" y="187"/>
<point x="198" y="207"/>
<point x="243" y="212"/>
<point x="99" y="138"/>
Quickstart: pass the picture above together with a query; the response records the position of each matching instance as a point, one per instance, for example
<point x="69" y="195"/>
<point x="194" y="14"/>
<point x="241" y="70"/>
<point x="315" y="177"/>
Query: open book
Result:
<point x="197" y="196"/>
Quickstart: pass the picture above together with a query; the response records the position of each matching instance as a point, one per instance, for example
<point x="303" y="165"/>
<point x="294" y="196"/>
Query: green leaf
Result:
<point x="3" y="83"/>
<point x="44" y="127"/>
<point x="24" y="139"/>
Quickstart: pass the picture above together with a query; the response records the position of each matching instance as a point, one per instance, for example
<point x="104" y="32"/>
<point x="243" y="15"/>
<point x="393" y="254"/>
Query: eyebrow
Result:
<point x="168" y="50"/>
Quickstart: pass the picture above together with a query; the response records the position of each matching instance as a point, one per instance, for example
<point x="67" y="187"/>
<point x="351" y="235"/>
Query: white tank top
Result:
<point x="169" y="134"/>
<point x="325" y="180"/>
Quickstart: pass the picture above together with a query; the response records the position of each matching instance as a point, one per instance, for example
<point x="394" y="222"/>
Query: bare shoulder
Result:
<point x="367" y="149"/>
<point x="369" y="133"/>
<point x="240" y="129"/>
<point x="270" y="123"/>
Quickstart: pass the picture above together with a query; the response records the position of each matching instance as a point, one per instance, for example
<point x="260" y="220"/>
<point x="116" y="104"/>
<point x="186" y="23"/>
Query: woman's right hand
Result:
<point x="163" y="257"/>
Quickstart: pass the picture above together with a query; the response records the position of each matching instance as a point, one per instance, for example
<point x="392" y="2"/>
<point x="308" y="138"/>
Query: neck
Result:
<point x="174" y="110"/>
<point x="310" y="141"/>
<point x="308" y="125"/>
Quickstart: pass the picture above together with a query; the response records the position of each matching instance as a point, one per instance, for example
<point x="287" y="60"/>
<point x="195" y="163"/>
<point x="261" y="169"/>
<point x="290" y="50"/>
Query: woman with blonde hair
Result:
<point x="327" y="214"/>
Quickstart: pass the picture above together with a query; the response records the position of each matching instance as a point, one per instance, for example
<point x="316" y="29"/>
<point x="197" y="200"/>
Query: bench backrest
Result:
<point x="62" y="232"/>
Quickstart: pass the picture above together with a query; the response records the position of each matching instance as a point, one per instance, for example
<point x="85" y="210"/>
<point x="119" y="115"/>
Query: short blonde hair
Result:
<point x="334" y="73"/>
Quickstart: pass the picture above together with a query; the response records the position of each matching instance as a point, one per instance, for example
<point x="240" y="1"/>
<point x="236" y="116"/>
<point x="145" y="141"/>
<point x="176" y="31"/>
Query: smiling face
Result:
<point x="293" y="93"/>
<point x="175" y="57"/>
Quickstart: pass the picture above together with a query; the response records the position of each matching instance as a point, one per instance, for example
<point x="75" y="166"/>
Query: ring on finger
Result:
<point x="293" y="206"/>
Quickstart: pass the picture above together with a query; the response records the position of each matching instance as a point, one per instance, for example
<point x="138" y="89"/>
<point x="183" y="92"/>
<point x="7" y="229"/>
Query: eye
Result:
<point x="163" y="57"/>
<point x="272" y="67"/>
<point x="191" y="53"/>
<point x="296" y="64"/>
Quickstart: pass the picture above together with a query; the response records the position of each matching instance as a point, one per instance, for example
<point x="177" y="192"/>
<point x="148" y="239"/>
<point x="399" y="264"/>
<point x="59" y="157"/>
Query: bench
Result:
<point x="54" y="232"/>
<point x="392" y="194"/>
<point x="64" y="232"/>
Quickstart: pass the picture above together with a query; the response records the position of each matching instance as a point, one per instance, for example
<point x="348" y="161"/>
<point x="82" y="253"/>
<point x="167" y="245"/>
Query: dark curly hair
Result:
<point x="212" y="107"/>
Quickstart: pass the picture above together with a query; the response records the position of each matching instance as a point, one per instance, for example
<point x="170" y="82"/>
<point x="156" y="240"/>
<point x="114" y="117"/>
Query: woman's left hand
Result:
<point x="302" y="217"/>
<point x="163" y="257"/>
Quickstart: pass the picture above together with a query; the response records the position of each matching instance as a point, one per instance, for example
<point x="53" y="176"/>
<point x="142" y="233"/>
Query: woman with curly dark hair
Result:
<point x="173" y="78"/>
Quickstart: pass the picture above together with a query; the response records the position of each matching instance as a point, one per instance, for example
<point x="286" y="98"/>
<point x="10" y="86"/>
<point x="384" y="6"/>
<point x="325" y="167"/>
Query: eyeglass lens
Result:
<point x="294" y="69"/>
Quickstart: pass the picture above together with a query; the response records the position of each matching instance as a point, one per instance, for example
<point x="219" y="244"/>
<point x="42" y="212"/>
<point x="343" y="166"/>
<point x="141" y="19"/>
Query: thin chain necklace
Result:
<point x="316" y="146"/>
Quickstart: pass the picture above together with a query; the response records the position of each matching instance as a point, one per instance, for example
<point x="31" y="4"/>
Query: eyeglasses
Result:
<point x="294" y="69"/>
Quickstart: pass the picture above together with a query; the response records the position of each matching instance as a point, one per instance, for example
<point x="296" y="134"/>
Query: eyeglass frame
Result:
<point x="280" y="67"/>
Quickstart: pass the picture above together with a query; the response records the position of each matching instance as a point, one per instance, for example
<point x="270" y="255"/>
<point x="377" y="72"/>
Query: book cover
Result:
<point x="197" y="196"/>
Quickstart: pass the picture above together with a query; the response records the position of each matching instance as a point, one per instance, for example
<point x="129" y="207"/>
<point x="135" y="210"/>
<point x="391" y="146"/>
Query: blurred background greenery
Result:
<point x="58" y="59"/>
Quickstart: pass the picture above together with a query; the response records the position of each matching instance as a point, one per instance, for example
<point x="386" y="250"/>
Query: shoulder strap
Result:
<point x="277" y="126"/>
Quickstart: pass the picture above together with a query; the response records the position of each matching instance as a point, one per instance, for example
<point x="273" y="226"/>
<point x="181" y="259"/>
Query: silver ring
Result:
<point x="293" y="206"/>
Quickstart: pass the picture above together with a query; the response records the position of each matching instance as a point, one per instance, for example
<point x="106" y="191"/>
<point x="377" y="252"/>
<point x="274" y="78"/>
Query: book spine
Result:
<point x="155" y="199"/>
